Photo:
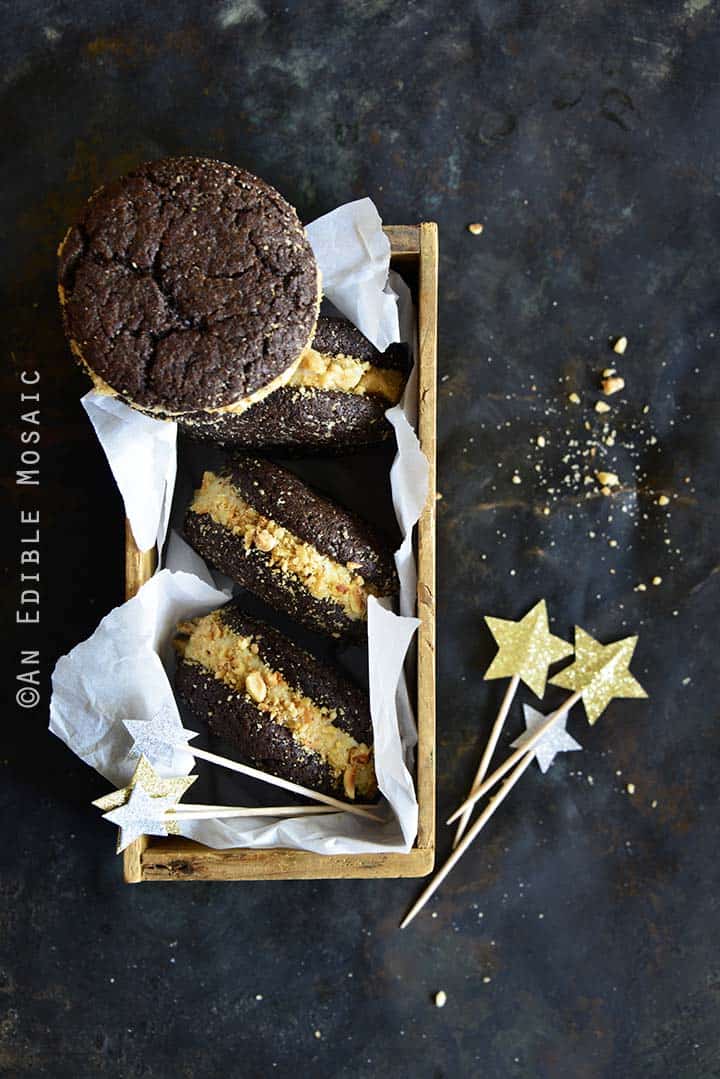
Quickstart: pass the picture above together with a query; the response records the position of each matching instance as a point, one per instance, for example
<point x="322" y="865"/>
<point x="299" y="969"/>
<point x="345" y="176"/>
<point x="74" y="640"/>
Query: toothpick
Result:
<point x="505" y="767"/>
<point x="477" y="827"/>
<point x="277" y="781"/>
<point x="489" y="750"/>
<point x="209" y="812"/>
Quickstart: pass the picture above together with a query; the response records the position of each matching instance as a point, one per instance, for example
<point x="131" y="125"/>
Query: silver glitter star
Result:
<point x="556" y="740"/>
<point x="142" y="814"/>
<point x="158" y="737"/>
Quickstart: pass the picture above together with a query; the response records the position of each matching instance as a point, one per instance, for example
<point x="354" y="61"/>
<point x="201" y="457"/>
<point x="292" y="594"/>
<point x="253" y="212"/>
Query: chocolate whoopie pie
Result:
<point x="188" y="284"/>
<point x="285" y="711"/>
<point x="335" y="399"/>
<point x="297" y="550"/>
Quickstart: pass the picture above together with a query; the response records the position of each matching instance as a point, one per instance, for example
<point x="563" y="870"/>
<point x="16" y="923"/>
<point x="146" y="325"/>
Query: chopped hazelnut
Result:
<point x="475" y="228"/>
<point x="620" y="345"/>
<point x="609" y="372"/>
<point x="255" y="686"/>
<point x="349" y="782"/>
<point x="357" y="601"/>
<point x="612" y="384"/>
<point x="574" y="398"/>
<point x="602" y="406"/>
<point x="663" y="500"/>
<point x="265" y="541"/>
<point x="607" y="479"/>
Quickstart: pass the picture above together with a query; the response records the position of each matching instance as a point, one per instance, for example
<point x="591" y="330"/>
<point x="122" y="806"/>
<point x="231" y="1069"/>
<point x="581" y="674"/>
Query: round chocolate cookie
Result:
<point x="334" y="401"/>
<point x="188" y="284"/>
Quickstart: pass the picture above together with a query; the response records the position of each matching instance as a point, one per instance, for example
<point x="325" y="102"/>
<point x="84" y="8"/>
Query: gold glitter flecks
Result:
<point x="526" y="648"/>
<point x="600" y="672"/>
<point x="156" y="785"/>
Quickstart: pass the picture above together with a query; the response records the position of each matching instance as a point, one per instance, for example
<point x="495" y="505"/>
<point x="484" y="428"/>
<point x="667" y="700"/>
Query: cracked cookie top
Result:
<point x="188" y="284"/>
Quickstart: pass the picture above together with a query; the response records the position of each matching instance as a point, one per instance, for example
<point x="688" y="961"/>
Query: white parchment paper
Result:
<point x="353" y="254"/>
<point x="123" y="671"/>
<point x="142" y="454"/>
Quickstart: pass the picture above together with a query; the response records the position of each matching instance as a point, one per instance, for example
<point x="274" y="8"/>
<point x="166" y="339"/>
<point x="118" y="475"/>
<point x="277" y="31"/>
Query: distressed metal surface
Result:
<point x="584" y="136"/>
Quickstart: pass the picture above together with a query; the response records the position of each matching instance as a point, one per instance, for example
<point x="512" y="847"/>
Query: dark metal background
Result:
<point x="585" y="136"/>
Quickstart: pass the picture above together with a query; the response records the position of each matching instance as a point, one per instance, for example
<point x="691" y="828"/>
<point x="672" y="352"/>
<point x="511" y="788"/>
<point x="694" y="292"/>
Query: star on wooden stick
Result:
<point x="158" y="737"/>
<point x="526" y="648"/>
<point x="556" y="740"/>
<point x="156" y="785"/>
<point x="600" y="672"/>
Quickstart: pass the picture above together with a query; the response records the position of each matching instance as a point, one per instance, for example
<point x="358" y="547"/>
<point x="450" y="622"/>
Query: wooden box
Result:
<point x="415" y="256"/>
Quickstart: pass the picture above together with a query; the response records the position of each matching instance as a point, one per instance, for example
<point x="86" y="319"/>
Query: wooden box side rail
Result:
<point x="175" y="858"/>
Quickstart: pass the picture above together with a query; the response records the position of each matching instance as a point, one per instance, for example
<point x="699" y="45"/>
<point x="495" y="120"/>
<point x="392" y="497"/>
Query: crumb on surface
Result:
<point x="607" y="479"/>
<point x="612" y="384"/>
<point x="475" y="228"/>
<point x="440" y="998"/>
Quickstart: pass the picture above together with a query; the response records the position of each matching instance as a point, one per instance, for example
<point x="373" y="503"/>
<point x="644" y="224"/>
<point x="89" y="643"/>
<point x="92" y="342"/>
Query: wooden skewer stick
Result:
<point x="206" y="812"/>
<point x="276" y="781"/>
<point x="515" y="757"/>
<point x="489" y="750"/>
<point x="468" y="838"/>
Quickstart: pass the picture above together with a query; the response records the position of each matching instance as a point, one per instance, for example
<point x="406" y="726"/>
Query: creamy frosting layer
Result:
<point x="236" y="661"/>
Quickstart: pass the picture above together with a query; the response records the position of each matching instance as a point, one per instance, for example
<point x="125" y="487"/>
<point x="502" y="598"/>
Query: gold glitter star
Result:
<point x="526" y="648"/>
<point x="601" y="672"/>
<point x="146" y="777"/>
